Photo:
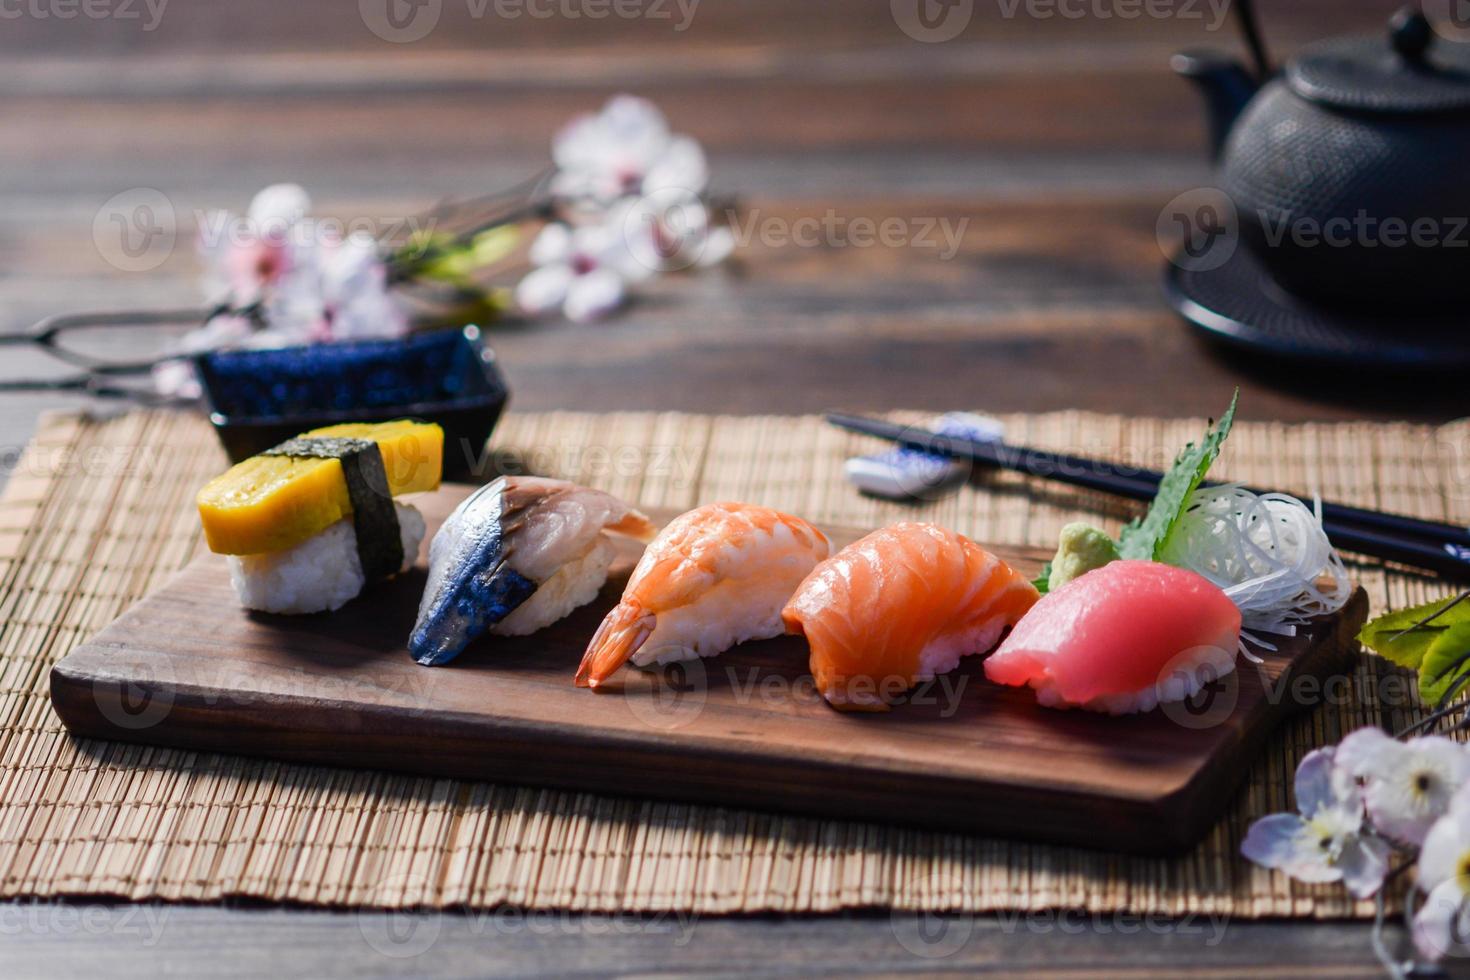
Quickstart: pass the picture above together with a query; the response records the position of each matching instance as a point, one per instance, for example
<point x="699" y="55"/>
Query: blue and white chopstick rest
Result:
<point x="911" y="474"/>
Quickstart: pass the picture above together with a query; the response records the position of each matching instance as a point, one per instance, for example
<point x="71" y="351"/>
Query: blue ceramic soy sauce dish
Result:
<point x="260" y="398"/>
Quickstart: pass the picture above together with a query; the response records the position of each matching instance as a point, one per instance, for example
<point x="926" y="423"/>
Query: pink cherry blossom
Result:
<point x="284" y="280"/>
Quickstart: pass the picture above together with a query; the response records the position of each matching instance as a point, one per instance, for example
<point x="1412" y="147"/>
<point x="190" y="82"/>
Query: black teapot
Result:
<point x="1349" y="169"/>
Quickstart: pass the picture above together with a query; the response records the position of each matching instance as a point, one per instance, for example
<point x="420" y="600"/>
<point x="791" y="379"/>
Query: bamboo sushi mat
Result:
<point x="98" y="512"/>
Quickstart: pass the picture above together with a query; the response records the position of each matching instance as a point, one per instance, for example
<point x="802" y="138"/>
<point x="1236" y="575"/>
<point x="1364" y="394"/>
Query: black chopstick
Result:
<point x="1433" y="545"/>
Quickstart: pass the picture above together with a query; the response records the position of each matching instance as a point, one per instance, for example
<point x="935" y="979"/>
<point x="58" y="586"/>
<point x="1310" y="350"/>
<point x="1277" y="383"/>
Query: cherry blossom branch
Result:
<point x="1432" y="616"/>
<point x="1394" y="968"/>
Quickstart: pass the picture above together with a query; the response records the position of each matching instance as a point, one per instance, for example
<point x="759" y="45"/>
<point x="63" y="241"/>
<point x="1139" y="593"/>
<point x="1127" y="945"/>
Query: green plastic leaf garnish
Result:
<point x="1405" y="636"/>
<point x="1148" y="537"/>
<point x="1442" y="674"/>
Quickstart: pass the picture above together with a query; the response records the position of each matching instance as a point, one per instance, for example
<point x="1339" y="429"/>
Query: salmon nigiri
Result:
<point x="902" y="606"/>
<point x="718" y="575"/>
<point x="1122" y="638"/>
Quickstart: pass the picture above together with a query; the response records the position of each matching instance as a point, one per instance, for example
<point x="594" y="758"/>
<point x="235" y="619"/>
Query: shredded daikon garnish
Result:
<point x="1269" y="554"/>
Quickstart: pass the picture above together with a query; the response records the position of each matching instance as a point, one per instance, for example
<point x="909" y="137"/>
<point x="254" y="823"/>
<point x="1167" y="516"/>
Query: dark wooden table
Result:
<point x="1049" y="143"/>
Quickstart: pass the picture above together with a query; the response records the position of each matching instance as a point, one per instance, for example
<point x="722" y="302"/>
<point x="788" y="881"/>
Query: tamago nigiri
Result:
<point x="899" y="607"/>
<point x="308" y="524"/>
<point x="1122" y="638"/>
<point x="718" y="575"/>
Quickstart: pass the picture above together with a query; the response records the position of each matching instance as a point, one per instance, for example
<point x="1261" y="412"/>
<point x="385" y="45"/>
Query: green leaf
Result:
<point x="443" y="259"/>
<point x="1147" y="538"/>
<point x="1446" y="660"/>
<point x="1043" y="581"/>
<point x="1396" y="636"/>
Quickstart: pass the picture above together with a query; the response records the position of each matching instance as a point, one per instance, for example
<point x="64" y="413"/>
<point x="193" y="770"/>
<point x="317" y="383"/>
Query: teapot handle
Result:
<point x="1245" y="14"/>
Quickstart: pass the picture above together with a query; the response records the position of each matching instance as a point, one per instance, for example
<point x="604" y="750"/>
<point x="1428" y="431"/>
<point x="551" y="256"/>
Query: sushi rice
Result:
<point x="944" y="653"/>
<point x="731" y="612"/>
<point x="571" y="586"/>
<point x="1188" y="673"/>
<point x="321" y="574"/>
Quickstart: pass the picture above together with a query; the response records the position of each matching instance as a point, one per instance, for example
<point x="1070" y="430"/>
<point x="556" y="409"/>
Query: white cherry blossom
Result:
<point x="335" y="290"/>
<point x="1326" y="841"/>
<point x="1406" y="786"/>
<point x="312" y="284"/>
<point x="1442" y="925"/>
<point x="582" y="271"/>
<point x="625" y="149"/>
<point x="671" y="230"/>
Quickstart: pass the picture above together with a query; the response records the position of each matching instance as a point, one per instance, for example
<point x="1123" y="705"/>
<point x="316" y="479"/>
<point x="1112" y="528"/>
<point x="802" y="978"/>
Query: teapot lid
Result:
<point x="1416" y="73"/>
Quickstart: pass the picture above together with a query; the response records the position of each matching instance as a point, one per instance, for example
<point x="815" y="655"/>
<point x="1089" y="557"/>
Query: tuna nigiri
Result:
<point x="1122" y="638"/>
<point x="718" y="575"/>
<point x="901" y="606"/>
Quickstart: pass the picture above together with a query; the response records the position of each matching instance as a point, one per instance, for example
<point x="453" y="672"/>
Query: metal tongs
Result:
<point x="100" y="375"/>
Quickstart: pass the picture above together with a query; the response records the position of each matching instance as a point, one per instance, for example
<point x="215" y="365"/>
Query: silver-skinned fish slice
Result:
<point x="515" y="556"/>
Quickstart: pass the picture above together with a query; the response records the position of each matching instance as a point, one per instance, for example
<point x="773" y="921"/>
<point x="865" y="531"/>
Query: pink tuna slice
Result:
<point x="1111" y="639"/>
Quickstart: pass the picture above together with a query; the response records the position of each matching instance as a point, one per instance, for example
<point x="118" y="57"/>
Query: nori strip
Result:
<point x="374" y="520"/>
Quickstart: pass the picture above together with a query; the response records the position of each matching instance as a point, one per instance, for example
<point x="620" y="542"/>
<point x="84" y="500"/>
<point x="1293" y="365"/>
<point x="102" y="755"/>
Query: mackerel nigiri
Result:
<point x="1122" y="638"/>
<point x="899" y="607"/>
<point x="515" y="556"/>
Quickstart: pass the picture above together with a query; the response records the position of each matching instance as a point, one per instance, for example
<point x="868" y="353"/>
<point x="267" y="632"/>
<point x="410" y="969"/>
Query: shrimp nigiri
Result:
<point x="718" y="575"/>
<point x="899" y="607"/>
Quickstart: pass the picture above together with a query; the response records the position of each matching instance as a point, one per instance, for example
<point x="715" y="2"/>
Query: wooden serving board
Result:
<point x="187" y="667"/>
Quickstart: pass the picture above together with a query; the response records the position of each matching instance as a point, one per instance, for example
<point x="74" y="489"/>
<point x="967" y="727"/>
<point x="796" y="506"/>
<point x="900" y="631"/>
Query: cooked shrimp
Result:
<point x="718" y="575"/>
